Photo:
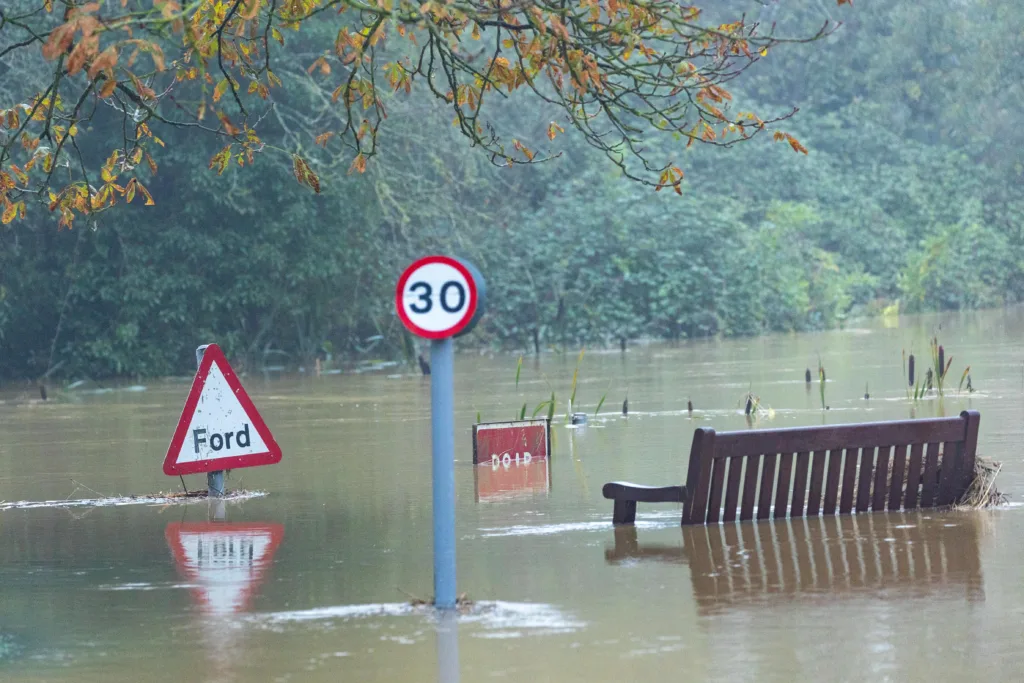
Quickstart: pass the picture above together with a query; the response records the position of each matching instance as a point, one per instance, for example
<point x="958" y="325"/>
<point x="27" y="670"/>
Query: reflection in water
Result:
<point x="224" y="563"/>
<point x="500" y="481"/>
<point x="737" y="563"/>
<point x="448" y="647"/>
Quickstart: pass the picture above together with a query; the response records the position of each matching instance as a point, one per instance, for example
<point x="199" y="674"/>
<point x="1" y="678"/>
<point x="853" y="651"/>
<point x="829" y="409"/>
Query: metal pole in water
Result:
<point x="448" y="647"/>
<point x="214" y="480"/>
<point x="442" y="424"/>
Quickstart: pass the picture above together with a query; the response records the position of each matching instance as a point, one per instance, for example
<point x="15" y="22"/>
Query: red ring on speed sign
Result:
<point x="467" y="312"/>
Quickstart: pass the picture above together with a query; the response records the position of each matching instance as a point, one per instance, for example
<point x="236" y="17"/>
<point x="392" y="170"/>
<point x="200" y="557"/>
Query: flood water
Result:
<point x="313" y="581"/>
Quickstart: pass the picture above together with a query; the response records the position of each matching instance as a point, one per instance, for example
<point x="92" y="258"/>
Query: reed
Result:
<point x="821" y="383"/>
<point x="940" y="364"/>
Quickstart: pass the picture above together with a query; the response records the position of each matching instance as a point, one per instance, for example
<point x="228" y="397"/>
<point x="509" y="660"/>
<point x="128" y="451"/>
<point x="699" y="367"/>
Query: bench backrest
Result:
<point x="812" y="470"/>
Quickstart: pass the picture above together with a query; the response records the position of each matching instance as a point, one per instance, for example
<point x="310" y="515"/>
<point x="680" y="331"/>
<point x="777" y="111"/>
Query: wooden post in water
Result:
<point x="214" y="480"/>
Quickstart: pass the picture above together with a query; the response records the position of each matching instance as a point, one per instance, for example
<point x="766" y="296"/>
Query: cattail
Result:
<point x="942" y="362"/>
<point x="750" y="406"/>
<point x="928" y="379"/>
<point x="689" y="406"/>
<point x="910" y="369"/>
<point x="625" y="406"/>
<point x="807" y="376"/>
<point x="867" y="394"/>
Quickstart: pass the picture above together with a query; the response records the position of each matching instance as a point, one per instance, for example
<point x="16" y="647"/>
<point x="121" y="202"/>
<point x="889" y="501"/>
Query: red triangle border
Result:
<point x="272" y="455"/>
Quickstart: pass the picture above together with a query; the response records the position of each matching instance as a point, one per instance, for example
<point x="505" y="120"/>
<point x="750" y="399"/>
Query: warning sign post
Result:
<point x="220" y="428"/>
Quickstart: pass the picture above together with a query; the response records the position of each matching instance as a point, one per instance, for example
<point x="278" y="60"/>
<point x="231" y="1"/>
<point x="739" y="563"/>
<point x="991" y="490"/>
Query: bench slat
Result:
<point x="717" y="482"/>
<point x="800" y="484"/>
<point x="931" y="471"/>
<point x="818" y="459"/>
<point x="899" y="466"/>
<point x="849" y="479"/>
<point x="793" y="439"/>
<point x="949" y="472"/>
<point x="752" y="467"/>
<point x="764" y="496"/>
<point x="835" y="458"/>
<point x="732" y="490"/>
<point x="914" y="476"/>
<point x="864" y="478"/>
<point x="881" y="489"/>
<point x="698" y="483"/>
<point x="782" y="488"/>
<point x="973" y="419"/>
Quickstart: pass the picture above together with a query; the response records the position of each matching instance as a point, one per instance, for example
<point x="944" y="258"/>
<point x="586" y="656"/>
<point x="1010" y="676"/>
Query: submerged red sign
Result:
<point x="510" y="442"/>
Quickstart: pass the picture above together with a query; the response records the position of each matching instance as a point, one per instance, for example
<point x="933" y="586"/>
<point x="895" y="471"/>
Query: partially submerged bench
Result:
<point x="808" y="471"/>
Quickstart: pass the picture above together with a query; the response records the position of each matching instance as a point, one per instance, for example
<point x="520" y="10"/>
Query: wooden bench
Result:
<point x="816" y="470"/>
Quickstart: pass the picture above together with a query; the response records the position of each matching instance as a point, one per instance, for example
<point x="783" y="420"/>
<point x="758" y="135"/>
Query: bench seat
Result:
<point x="807" y="471"/>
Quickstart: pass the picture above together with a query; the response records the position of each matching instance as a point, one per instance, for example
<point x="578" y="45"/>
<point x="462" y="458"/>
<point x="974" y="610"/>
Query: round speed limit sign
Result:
<point x="438" y="297"/>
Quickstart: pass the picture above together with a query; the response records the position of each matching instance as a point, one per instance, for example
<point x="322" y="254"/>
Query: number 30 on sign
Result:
<point x="439" y="297"/>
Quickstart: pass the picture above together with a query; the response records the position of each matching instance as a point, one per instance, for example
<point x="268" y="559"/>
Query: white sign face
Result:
<point x="220" y="427"/>
<point x="436" y="298"/>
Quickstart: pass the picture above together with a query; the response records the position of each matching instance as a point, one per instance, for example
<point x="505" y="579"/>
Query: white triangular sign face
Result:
<point x="220" y="428"/>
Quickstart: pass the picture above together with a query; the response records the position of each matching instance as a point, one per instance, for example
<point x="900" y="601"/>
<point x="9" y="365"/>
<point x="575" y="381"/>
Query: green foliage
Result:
<point x="911" y="193"/>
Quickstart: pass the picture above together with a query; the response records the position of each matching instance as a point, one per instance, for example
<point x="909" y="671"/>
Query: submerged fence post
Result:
<point x="442" y="425"/>
<point x="214" y="480"/>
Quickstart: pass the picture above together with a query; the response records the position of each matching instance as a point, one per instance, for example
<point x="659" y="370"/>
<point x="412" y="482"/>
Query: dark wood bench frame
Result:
<point x="816" y="470"/>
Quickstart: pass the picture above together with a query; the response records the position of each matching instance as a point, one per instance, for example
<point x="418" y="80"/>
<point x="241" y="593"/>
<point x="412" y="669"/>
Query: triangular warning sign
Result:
<point x="224" y="562"/>
<point x="219" y="428"/>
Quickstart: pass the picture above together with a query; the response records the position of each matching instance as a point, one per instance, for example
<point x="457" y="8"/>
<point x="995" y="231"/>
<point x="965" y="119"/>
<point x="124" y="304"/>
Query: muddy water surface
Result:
<point x="313" y="581"/>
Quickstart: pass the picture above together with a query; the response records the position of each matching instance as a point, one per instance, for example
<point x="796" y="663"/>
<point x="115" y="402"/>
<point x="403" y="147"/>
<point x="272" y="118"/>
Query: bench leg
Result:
<point x="624" y="511"/>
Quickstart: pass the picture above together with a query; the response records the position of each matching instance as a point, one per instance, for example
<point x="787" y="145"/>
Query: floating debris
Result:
<point x="169" y="498"/>
<point x="982" y="492"/>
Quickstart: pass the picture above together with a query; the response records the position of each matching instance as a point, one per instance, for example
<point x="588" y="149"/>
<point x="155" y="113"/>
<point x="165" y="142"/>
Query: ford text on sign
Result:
<point x="507" y="442"/>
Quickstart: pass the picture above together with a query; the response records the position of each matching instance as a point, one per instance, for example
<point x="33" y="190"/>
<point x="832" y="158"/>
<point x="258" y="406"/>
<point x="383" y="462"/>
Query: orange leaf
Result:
<point x="10" y="211"/>
<point x="358" y="164"/>
<point x="106" y="60"/>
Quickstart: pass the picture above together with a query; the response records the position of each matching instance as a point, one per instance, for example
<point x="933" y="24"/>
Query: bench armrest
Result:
<point x="626" y="495"/>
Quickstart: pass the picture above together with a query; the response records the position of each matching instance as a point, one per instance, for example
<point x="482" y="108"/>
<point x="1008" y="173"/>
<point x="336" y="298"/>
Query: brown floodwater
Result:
<point x="313" y="581"/>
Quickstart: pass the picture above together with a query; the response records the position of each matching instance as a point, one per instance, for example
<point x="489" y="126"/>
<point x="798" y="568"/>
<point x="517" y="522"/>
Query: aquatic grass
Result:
<point x="821" y="383"/>
<point x="940" y="366"/>
<point x="964" y="376"/>
<point x="753" y="407"/>
<point x="575" y="380"/>
<point x="519" y="369"/>
<point x="603" y="397"/>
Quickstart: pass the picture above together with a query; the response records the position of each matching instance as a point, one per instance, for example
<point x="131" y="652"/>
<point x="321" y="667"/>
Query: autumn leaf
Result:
<point x="358" y="164"/>
<point x="146" y="194"/>
<point x="219" y="91"/>
<point x="106" y="60"/>
<point x="10" y="211"/>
